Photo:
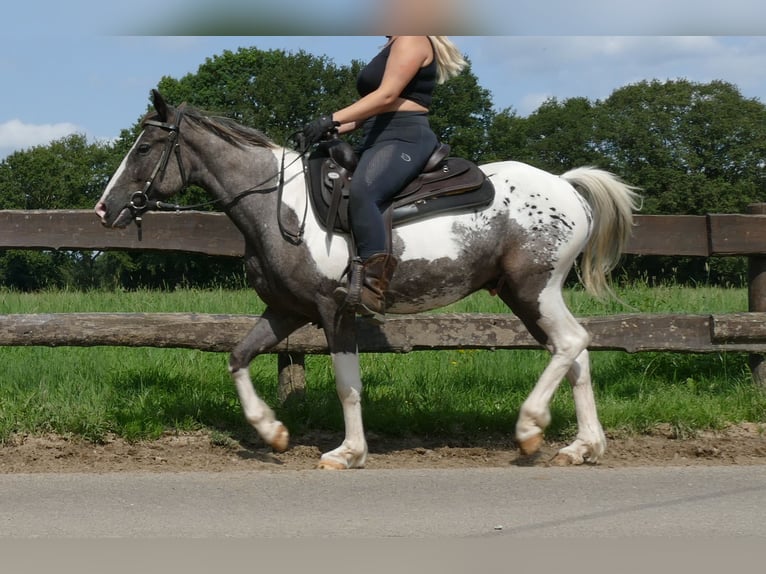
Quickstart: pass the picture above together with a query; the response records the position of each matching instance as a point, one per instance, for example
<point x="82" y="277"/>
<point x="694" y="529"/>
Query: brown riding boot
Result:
<point x="377" y="272"/>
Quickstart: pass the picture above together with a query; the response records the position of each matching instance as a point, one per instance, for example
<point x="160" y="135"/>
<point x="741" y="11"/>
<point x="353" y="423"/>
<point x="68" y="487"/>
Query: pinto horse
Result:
<point x="521" y="246"/>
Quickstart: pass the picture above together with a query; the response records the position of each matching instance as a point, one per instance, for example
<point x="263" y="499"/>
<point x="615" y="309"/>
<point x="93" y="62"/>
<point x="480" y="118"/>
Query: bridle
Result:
<point x="140" y="201"/>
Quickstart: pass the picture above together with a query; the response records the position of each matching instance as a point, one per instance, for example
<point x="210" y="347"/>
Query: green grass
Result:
<point x="141" y="393"/>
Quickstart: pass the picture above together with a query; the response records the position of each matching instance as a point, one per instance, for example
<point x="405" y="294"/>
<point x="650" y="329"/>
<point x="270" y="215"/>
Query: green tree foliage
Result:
<point x="692" y="148"/>
<point x="560" y="135"/>
<point x="69" y="173"/>
<point x="462" y="115"/>
<point x="274" y="91"/>
<point x="507" y="137"/>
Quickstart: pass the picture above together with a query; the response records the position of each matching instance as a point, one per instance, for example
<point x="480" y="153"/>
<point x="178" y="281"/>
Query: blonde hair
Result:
<point x="449" y="61"/>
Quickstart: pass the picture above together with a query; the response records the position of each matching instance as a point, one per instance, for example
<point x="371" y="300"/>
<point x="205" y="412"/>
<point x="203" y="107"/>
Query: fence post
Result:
<point x="756" y="295"/>
<point x="291" y="387"/>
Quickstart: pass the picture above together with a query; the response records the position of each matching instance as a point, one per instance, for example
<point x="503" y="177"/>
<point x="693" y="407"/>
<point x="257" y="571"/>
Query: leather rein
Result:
<point x="140" y="202"/>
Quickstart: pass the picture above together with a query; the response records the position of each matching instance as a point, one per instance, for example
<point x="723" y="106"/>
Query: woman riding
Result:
<point x="396" y="89"/>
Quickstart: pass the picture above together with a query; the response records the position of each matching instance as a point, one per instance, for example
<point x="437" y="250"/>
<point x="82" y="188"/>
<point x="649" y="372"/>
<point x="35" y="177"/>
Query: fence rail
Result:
<point x="632" y="333"/>
<point x="213" y="234"/>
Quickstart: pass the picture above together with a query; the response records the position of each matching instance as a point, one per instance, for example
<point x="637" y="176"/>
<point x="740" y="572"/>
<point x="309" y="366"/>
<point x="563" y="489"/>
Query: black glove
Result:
<point x="317" y="129"/>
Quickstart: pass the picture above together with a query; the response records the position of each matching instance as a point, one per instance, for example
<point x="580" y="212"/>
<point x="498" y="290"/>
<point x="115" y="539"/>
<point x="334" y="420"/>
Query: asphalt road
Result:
<point x="507" y="503"/>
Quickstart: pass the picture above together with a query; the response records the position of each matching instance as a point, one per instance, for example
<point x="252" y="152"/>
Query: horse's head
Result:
<point x="150" y="172"/>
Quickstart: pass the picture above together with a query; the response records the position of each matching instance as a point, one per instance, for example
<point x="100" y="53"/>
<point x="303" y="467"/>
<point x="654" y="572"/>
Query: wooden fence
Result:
<point x="213" y="234"/>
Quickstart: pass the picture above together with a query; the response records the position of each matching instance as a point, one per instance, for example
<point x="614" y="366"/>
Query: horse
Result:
<point x="521" y="247"/>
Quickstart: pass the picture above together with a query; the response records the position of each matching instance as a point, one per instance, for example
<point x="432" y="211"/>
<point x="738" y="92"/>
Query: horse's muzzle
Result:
<point x="123" y="218"/>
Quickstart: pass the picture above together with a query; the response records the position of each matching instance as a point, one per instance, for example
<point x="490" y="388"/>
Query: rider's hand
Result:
<point x="316" y="130"/>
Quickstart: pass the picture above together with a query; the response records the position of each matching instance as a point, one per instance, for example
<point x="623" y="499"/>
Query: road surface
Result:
<point x="512" y="502"/>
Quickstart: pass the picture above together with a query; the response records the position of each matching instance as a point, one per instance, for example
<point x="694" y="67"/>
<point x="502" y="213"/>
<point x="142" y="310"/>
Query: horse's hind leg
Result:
<point x="269" y="330"/>
<point x="590" y="443"/>
<point x="537" y="300"/>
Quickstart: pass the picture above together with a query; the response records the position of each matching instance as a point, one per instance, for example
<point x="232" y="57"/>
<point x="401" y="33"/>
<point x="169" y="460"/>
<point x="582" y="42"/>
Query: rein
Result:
<point x="140" y="201"/>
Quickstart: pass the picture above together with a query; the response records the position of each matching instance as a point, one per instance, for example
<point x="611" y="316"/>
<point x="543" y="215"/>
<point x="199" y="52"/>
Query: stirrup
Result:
<point x="367" y="313"/>
<point x="341" y="296"/>
<point x="351" y="293"/>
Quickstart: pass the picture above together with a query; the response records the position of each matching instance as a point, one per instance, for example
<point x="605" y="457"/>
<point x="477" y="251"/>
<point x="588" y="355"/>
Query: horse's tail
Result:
<point x="613" y="203"/>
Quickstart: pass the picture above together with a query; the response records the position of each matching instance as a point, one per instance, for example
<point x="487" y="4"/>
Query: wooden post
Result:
<point x="292" y="377"/>
<point x="756" y="296"/>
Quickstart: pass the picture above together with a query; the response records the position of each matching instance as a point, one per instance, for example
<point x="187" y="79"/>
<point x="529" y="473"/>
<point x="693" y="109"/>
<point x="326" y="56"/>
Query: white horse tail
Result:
<point x="613" y="203"/>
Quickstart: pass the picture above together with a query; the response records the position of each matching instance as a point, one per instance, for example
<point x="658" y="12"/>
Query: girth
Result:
<point x="446" y="184"/>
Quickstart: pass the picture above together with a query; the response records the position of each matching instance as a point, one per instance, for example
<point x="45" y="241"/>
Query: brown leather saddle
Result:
<point x="446" y="184"/>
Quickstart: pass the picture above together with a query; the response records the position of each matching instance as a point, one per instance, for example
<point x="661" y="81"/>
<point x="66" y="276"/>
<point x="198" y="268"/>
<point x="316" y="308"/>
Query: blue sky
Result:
<point x="87" y="66"/>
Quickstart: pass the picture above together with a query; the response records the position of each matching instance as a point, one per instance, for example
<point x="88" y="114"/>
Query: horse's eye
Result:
<point x="143" y="149"/>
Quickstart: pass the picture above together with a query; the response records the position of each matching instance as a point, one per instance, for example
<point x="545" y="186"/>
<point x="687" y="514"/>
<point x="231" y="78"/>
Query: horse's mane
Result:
<point x="225" y="128"/>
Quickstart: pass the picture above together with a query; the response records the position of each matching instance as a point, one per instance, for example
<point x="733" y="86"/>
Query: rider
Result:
<point x="396" y="89"/>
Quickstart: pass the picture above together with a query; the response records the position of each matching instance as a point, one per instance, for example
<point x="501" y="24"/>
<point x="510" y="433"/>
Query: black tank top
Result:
<point x="420" y="89"/>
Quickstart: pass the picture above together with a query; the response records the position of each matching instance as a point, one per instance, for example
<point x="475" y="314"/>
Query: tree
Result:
<point x="693" y="149"/>
<point x="507" y="137"/>
<point x="278" y="92"/>
<point x="68" y="173"/>
<point x="560" y="135"/>
<point x="462" y="115"/>
<point x="274" y="91"/>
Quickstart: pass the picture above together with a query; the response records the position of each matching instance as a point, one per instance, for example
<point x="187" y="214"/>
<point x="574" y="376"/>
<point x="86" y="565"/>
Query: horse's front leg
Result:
<point x="341" y="339"/>
<point x="269" y="330"/>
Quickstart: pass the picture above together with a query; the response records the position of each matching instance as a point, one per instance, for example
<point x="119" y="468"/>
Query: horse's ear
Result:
<point x="160" y="105"/>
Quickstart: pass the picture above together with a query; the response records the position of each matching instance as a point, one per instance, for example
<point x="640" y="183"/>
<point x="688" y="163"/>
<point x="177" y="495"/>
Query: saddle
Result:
<point x="445" y="184"/>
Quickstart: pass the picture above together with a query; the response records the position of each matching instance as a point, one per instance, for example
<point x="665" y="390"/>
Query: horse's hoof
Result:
<point x="281" y="439"/>
<point x="342" y="458"/>
<point x="531" y="445"/>
<point x="329" y="464"/>
<point x="562" y="459"/>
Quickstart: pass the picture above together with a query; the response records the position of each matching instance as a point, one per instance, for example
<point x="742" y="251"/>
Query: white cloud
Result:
<point x="17" y="135"/>
<point x="595" y="66"/>
<point x="545" y="54"/>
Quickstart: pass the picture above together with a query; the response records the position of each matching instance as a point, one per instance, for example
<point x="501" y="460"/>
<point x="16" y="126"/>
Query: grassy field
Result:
<point x="140" y="393"/>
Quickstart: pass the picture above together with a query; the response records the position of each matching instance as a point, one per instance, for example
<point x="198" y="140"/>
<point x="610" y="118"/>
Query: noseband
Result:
<point x="139" y="202"/>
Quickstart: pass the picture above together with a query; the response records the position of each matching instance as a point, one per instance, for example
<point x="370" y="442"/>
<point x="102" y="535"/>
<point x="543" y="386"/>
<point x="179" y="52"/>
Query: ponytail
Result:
<point x="449" y="60"/>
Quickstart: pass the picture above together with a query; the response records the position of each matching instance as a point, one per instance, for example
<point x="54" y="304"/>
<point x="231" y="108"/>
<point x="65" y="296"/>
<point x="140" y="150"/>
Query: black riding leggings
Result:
<point x="395" y="148"/>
